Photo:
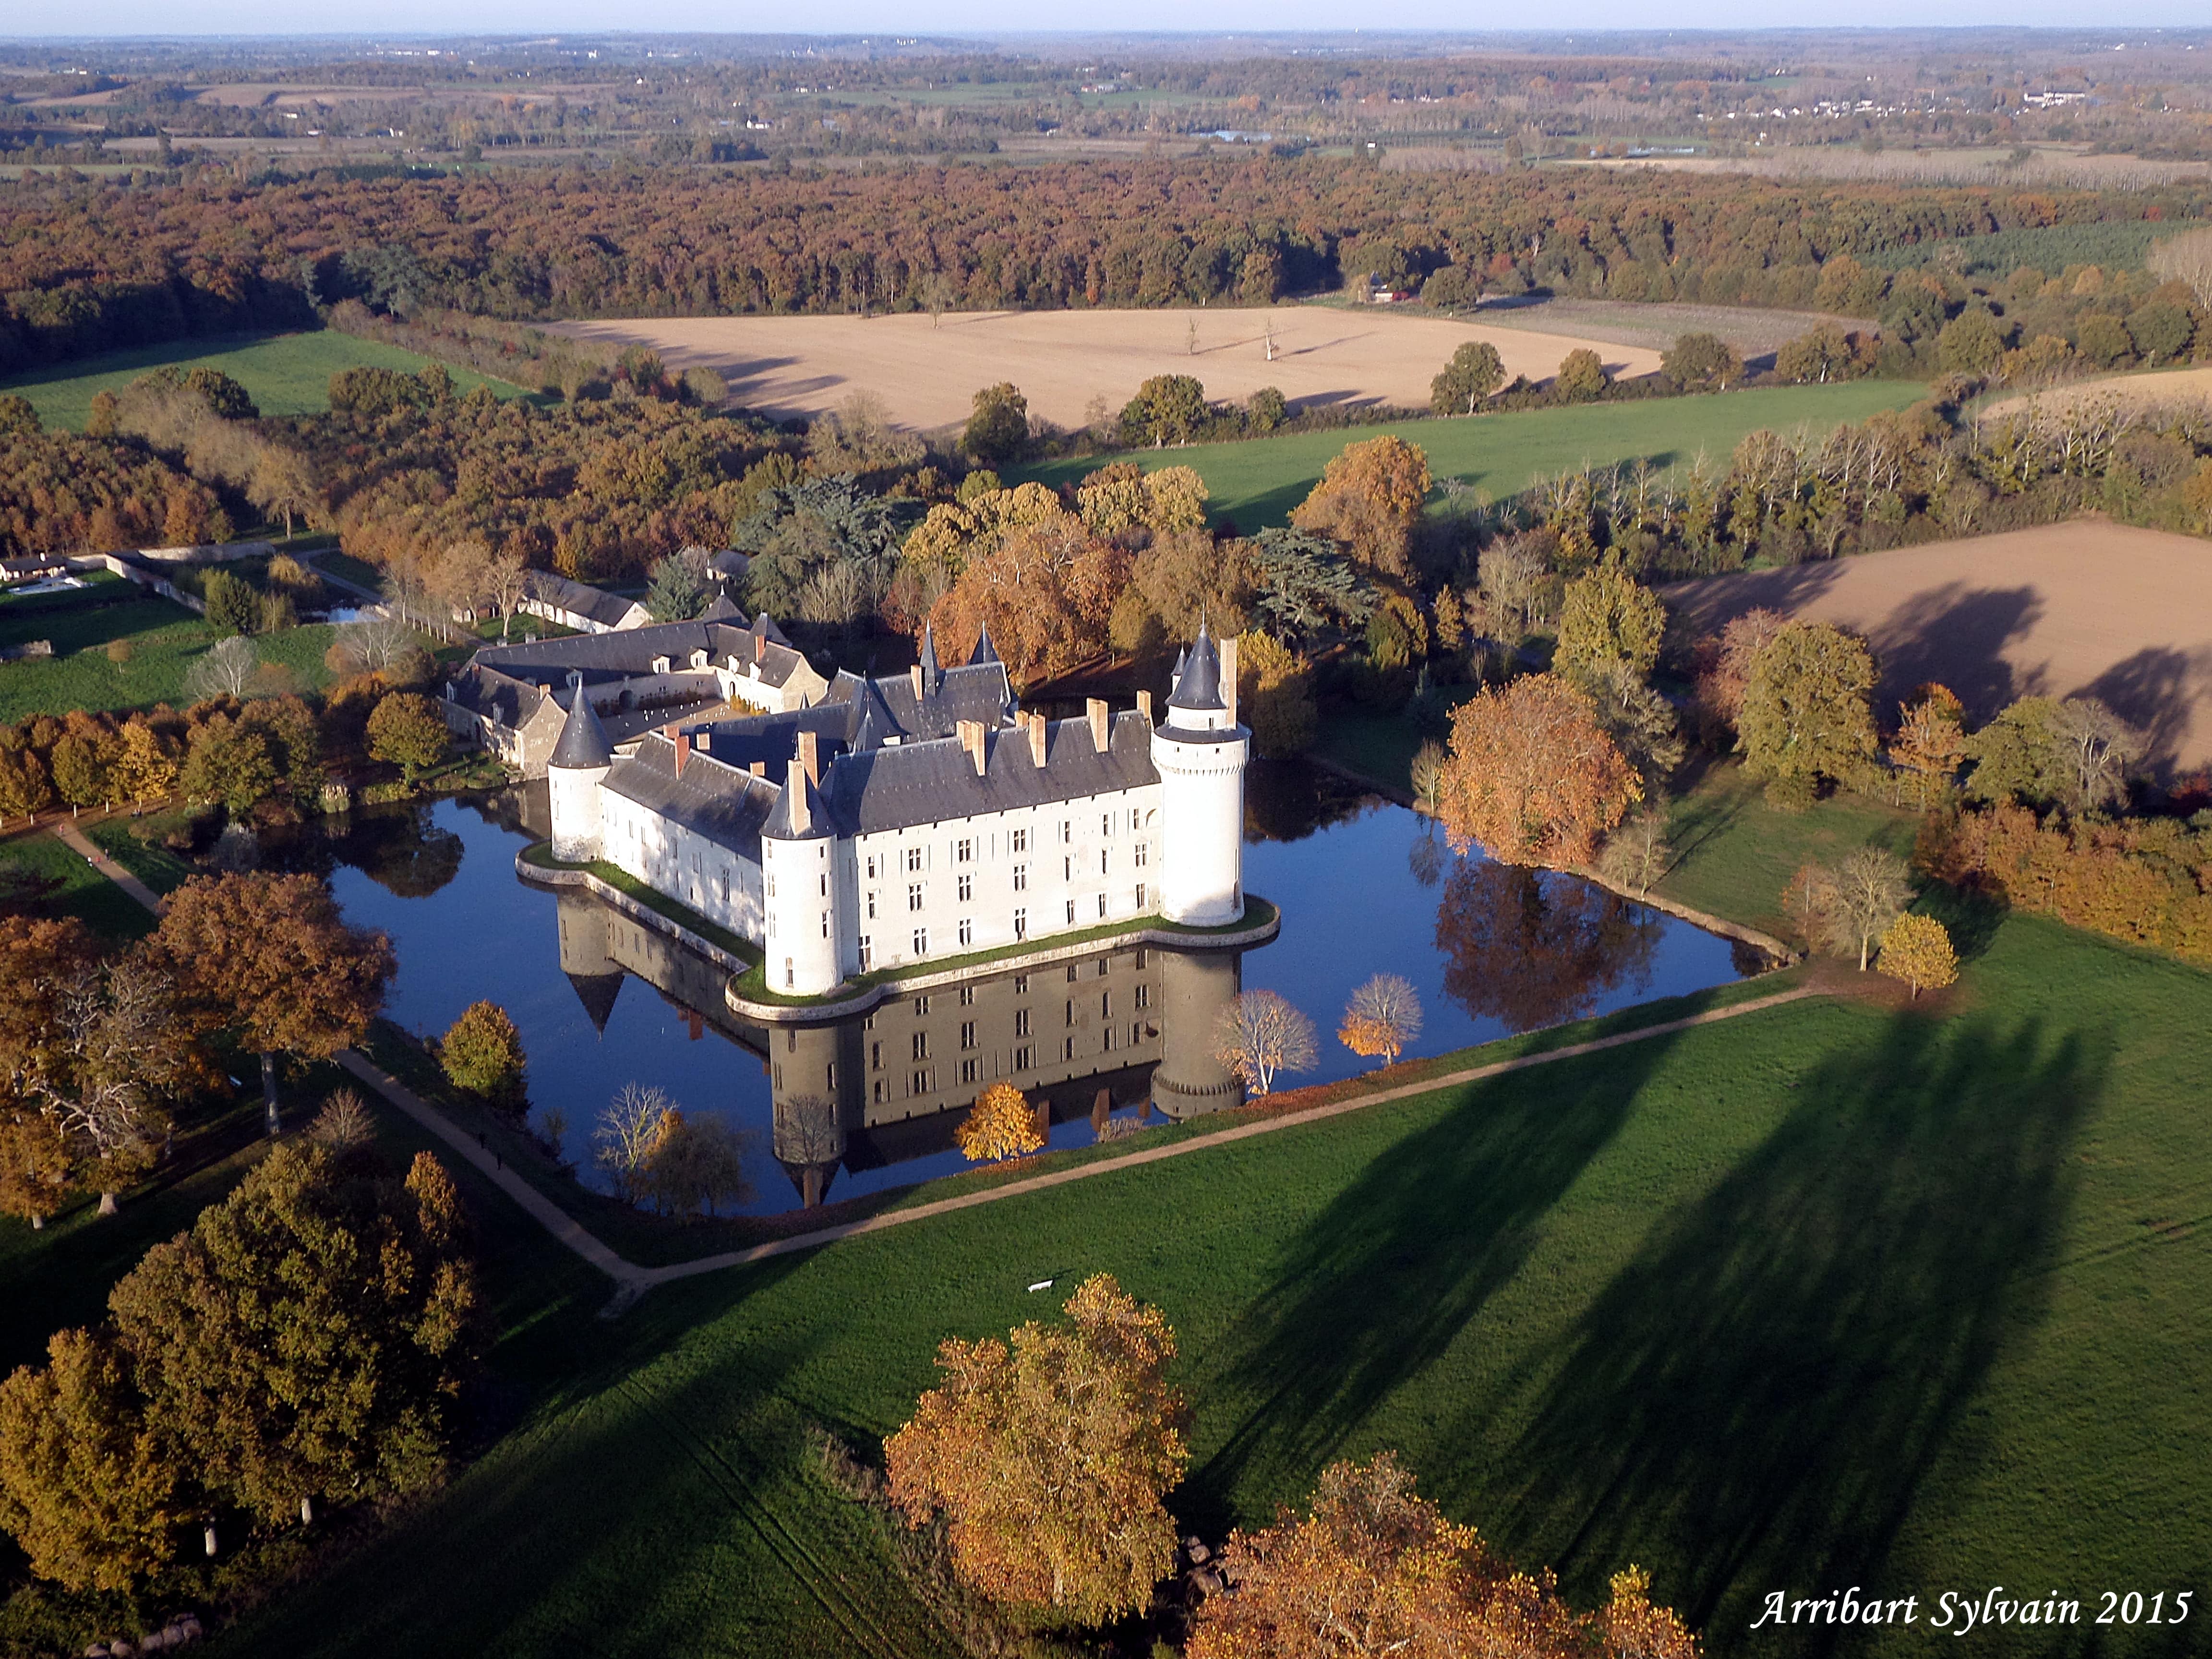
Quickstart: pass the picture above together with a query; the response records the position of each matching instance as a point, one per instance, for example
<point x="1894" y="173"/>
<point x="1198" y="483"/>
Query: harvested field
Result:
<point x="927" y="372"/>
<point x="2152" y="390"/>
<point x="1755" y="332"/>
<point x="2089" y="607"/>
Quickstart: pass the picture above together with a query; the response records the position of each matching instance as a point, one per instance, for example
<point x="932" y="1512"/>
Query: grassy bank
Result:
<point x="1258" y="482"/>
<point x="284" y="374"/>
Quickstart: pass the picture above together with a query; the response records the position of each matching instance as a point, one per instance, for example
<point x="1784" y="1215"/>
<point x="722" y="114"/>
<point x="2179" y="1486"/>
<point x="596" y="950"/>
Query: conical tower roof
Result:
<point x="598" y="992"/>
<point x="583" y="742"/>
<point x="985" y="652"/>
<point x="1198" y="679"/>
<point x="931" y="674"/>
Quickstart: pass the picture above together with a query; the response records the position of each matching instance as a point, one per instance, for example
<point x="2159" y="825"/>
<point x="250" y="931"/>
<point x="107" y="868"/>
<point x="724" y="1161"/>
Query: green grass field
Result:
<point x="285" y="374"/>
<point x="164" y="640"/>
<point x="1258" y="482"/>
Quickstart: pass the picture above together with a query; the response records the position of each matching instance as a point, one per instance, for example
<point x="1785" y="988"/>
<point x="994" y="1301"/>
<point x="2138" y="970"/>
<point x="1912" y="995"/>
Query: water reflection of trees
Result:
<point x="399" y="846"/>
<point x="1530" y="948"/>
<point x="1289" y="799"/>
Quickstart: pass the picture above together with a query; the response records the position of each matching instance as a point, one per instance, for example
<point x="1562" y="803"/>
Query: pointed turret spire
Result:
<point x="985" y="652"/>
<point x="1198" y="677"/>
<point x="932" y="675"/>
<point x="583" y="743"/>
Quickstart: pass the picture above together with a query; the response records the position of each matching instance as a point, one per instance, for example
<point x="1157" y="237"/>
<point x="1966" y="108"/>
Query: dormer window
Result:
<point x="698" y="659"/>
<point x="660" y="665"/>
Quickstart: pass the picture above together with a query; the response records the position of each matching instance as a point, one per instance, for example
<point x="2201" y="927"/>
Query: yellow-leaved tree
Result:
<point x="1918" y="950"/>
<point x="1000" y="1124"/>
<point x="1049" y="1458"/>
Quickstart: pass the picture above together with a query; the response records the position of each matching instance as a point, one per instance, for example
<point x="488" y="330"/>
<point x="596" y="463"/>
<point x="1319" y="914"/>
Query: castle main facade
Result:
<point x="891" y="820"/>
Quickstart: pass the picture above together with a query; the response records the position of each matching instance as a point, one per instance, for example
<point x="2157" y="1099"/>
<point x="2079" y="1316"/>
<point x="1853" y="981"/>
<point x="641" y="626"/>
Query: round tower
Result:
<point x="1196" y="986"/>
<point x="1199" y="754"/>
<point x="579" y="763"/>
<point x="798" y="873"/>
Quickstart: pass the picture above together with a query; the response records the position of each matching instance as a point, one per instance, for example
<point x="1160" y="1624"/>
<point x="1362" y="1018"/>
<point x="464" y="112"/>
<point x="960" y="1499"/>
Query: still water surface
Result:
<point x="1365" y="886"/>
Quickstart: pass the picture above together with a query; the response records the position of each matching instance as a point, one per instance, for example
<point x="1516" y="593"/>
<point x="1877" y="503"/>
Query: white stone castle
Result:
<point x="895" y="821"/>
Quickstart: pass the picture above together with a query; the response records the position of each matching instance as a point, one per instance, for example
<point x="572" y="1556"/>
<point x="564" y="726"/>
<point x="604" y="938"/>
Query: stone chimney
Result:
<point x="809" y="756"/>
<point x="1036" y="738"/>
<point x="683" y="750"/>
<point x="1102" y="723"/>
<point x="1145" y="706"/>
<point x="971" y="739"/>
<point x="760" y="768"/>
<point x="795" y="783"/>
<point x="913" y="678"/>
<point x="1228" y="648"/>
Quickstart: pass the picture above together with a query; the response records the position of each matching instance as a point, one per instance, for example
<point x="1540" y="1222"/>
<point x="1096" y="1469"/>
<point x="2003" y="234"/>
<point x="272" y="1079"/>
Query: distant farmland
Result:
<point x="2099" y="608"/>
<point x="926" y="370"/>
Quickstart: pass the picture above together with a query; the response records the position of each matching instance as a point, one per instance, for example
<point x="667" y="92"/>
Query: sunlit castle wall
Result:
<point x="1200" y="755"/>
<point x="574" y="797"/>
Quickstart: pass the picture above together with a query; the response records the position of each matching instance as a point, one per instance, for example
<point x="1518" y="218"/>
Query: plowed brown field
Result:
<point x="927" y="372"/>
<point x="2089" y="607"/>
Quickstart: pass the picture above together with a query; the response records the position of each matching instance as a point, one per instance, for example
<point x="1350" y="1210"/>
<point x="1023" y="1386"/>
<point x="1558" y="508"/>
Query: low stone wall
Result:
<point x="860" y="999"/>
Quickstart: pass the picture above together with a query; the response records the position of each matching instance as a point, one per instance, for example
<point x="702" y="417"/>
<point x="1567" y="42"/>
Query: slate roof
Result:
<point x="979" y="691"/>
<point x="608" y="610"/>
<point x="726" y="807"/>
<point x="1198" y="678"/>
<point x="583" y="742"/>
<point x="631" y="654"/>
<point x="496" y="696"/>
<point x="929" y="782"/>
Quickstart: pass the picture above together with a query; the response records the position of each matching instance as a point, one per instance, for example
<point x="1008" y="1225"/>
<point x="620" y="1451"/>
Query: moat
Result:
<point x="870" y="1101"/>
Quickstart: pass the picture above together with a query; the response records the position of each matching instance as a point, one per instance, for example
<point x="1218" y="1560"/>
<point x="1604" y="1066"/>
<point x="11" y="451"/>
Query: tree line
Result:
<point x="97" y="267"/>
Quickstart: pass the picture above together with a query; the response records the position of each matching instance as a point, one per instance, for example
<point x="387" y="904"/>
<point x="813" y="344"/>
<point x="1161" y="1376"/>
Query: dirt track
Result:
<point x="2117" y="613"/>
<point x="926" y="375"/>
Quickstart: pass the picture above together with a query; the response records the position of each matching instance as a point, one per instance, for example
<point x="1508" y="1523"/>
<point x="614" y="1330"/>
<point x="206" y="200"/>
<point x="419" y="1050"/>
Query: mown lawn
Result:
<point x="284" y="374"/>
<point x="1258" y="482"/>
<point x="163" y="638"/>
<point x="1826" y="1296"/>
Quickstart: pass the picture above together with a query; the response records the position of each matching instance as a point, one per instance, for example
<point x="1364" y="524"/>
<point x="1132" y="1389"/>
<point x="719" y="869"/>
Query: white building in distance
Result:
<point x="897" y="820"/>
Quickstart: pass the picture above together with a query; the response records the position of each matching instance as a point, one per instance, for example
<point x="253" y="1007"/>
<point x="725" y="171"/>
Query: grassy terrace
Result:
<point x="541" y="856"/>
<point x="284" y="374"/>
<point x="1259" y="482"/>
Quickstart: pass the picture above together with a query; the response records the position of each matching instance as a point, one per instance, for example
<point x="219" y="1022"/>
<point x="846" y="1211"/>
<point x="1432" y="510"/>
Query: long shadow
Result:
<point x="2156" y="691"/>
<point x="1754" y="1401"/>
<point x="1383" y="1280"/>
<point x="1958" y="634"/>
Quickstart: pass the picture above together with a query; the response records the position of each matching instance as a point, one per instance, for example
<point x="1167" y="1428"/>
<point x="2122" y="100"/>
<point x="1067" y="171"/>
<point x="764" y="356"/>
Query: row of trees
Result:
<point x="99" y="268"/>
<point x="1047" y="1459"/>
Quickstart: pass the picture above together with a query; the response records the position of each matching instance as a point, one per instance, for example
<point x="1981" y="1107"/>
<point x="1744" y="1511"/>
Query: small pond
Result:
<point x="1365" y="886"/>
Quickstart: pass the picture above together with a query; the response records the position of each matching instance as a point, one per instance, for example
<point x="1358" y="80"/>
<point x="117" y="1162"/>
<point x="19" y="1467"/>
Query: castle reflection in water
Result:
<point x="1089" y="1037"/>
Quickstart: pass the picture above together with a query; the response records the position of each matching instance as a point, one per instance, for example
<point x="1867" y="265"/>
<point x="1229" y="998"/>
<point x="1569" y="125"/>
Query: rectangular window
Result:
<point x="922" y="1007"/>
<point x="967" y="1033"/>
<point x="922" y="941"/>
<point x="921" y="1081"/>
<point x="1021" y="1022"/>
<point x="1068" y="1049"/>
<point x="1024" y="1057"/>
<point x="963" y="850"/>
<point x="825" y="923"/>
<point x="1021" y="985"/>
<point x="1072" y="972"/>
<point x="867" y="950"/>
<point x="1067" y="868"/>
<point x="967" y="929"/>
<point x="1102" y="907"/>
<point x="876" y="1056"/>
<point x="1105" y="1005"/>
<point x="1102" y="864"/>
<point x="872" y="904"/>
<point x="1106" y="1040"/>
<point x="913" y="895"/>
<point x="872" y="866"/>
<point x="1144" y="995"/>
<point x="879" y="1092"/>
<point x="971" y="1071"/>
<point x="1067" y="832"/>
<point x="913" y="857"/>
<point x="1105" y="824"/>
<point x="921" y="1045"/>
<point x="966" y="996"/>
<point x="1133" y="817"/>
<point x="1071" y="1011"/>
<point x="825" y="883"/>
<point x="1021" y="878"/>
<point x="1020" y="841"/>
<point x="1071" y="911"/>
<point x="1144" y="854"/>
<point x="1021" y="926"/>
<point x="771" y="884"/>
<point x="967" y="888"/>
<point x="1140" y="895"/>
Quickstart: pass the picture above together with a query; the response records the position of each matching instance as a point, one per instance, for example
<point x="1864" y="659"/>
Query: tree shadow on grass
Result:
<point x="1384" y="1279"/>
<point x="1752" y="1403"/>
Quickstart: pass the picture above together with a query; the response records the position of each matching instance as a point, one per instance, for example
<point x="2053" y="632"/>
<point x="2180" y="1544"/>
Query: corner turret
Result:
<point x="1200" y="755"/>
<point x="799" y="872"/>
<point x="579" y="763"/>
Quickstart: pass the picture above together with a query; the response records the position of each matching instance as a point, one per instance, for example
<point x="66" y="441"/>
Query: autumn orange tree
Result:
<point x="1045" y="590"/>
<point x="270" y="957"/>
<point x="1530" y="776"/>
<point x="1374" y="1568"/>
<point x="1000" y="1124"/>
<point x="1918" y="950"/>
<point x="1368" y="500"/>
<point x="1930" y="743"/>
<point x="1049" y="1458"/>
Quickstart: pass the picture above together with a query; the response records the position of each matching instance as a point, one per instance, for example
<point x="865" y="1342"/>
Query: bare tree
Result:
<point x="629" y="1132"/>
<point x="374" y="642"/>
<point x="1637" y="852"/>
<point x="2099" y="746"/>
<point x="115" y="1058"/>
<point x="1383" y="1016"/>
<point x="1866" y="892"/>
<point x="280" y="481"/>
<point x="1520" y="591"/>
<point x="224" y="669"/>
<point x="1428" y="774"/>
<point x="507" y="581"/>
<point x="1259" y="1035"/>
<point x="461" y="577"/>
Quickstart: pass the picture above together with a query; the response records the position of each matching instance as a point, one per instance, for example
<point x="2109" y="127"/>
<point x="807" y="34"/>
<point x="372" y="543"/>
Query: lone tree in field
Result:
<point x="1376" y="1569"/>
<point x="1383" y="1016"/>
<point x="1530" y="777"/>
<point x="482" y="1052"/>
<point x="1474" y="372"/>
<point x="1259" y="1035"/>
<point x="1049" y="1458"/>
<point x="270" y="957"/>
<point x="1918" y="950"/>
<point x="1000" y="1124"/>
<point x="1582" y="376"/>
<point x="407" y="730"/>
<point x="1805" y="714"/>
